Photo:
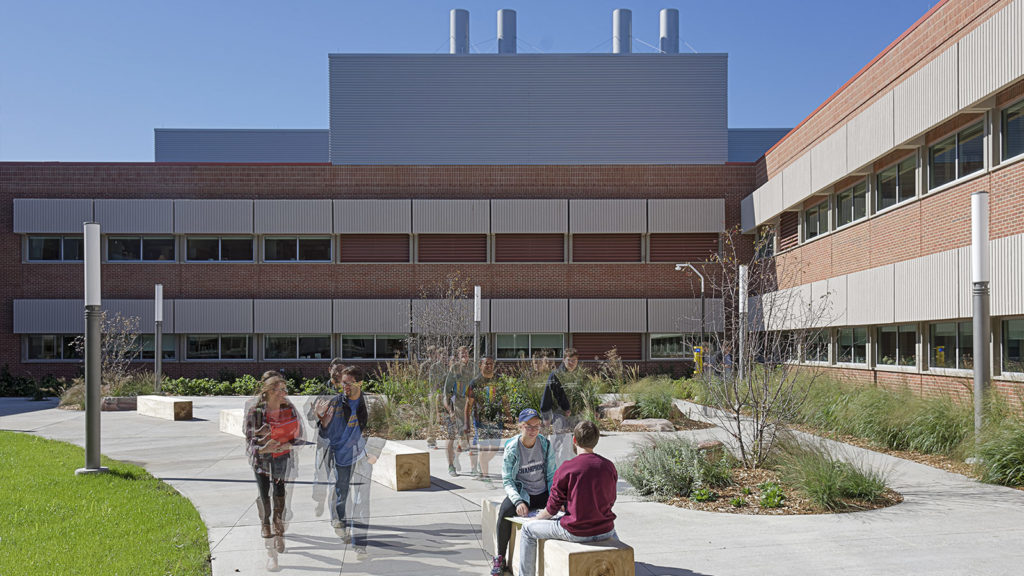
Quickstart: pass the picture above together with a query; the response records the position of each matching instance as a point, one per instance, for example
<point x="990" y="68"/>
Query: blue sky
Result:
<point x="89" y="81"/>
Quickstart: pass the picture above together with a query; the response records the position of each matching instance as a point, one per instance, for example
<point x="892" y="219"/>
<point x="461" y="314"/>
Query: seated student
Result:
<point x="527" y="470"/>
<point x="585" y="486"/>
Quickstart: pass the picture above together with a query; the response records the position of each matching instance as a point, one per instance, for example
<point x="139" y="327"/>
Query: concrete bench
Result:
<point x="166" y="407"/>
<point x="231" y="422"/>
<point x="400" y="467"/>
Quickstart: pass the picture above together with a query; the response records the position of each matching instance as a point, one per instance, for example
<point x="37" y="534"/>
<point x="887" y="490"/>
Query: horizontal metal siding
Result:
<point x="441" y="248"/>
<point x="992" y="55"/>
<point x="213" y="316"/>
<point x="373" y="216"/>
<point x="927" y="98"/>
<point x="550" y="315"/>
<point x="672" y="315"/>
<point x="608" y="315"/>
<point x="51" y="216"/>
<point x="749" y="144"/>
<point x="870" y="133"/>
<point x="789" y="230"/>
<point x="529" y="216"/>
<point x="213" y="216"/>
<point x="529" y="248"/>
<point x="786" y="309"/>
<point x="135" y="216"/>
<point x="796" y="182"/>
<point x="828" y="302"/>
<point x="374" y="248"/>
<point x="683" y="247"/>
<point x="144" y="311"/>
<point x="596" y="346"/>
<point x="293" y="217"/>
<point x="528" y="109"/>
<point x="606" y="248"/>
<point x="927" y="288"/>
<point x="49" y="316"/>
<point x="608" y="216"/>
<point x="1007" y="263"/>
<point x="828" y="159"/>
<point x="689" y="215"/>
<point x="449" y="315"/>
<point x="292" y="316"/>
<point x="451" y="216"/>
<point x="372" y="316"/>
<point x="871" y="296"/>
<point x="193" y="145"/>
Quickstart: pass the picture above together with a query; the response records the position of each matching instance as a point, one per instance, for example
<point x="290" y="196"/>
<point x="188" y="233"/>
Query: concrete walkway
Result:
<point x="948" y="524"/>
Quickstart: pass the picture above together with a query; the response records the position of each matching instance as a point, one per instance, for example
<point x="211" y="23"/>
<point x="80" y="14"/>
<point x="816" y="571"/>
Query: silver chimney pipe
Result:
<point x="670" y="31"/>
<point x="506" y="31"/>
<point x="622" y="31"/>
<point x="459" y="35"/>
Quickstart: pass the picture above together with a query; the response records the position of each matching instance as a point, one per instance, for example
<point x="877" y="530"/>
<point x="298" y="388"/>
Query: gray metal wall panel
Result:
<point x="828" y="304"/>
<point x="292" y="317"/>
<point x="49" y="316"/>
<point x="274" y="146"/>
<point x="870" y="133"/>
<point x="451" y="216"/>
<point x="293" y="217"/>
<point x="992" y="55"/>
<point x="135" y="216"/>
<point x="1007" y="263"/>
<point x="965" y="306"/>
<point x="927" y="288"/>
<point x="213" y="216"/>
<point x="768" y="200"/>
<point x="691" y="215"/>
<point x="372" y="316"/>
<point x="145" y="311"/>
<point x="871" y="296"/>
<point x="748" y="216"/>
<point x="213" y="316"/>
<point x="51" y="216"/>
<point x="608" y="315"/>
<point x="785" y="309"/>
<point x="449" y="315"/>
<point x="749" y="144"/>
<point x="529" y="216"/>
<point x="528" y="315"/>
<point x="927" y="98"/>
<point x="608" y="216"/>
<point x="373" y="216"/>
<point x="828" y="160"/>
<point x="672" y="315"/>
<point x="528" y="109"/>
<point x="796" y="181"/>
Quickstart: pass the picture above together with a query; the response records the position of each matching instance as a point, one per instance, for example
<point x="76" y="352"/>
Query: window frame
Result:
<point x="530" y="348"/>
<point x="957" y="160"/>
<point x="900" y="198"/>
<point x="220" y="249"/>
<point x="1004" y="141"/>
<point x="817" y="209"/>
<point x="298" y="347"/>
<point x="60" y="344"/>
<point x="899" y="330"/>
<point x="375" y="338"/>
<point x="1004" y="350"/>
<point x="63" y="238"/>
<point x="142" y="248"/>
<point x="853" y="194"/>
<point x="298" y="248"/>
<point x="220" y="348"/>
<point x="853" y="345"/>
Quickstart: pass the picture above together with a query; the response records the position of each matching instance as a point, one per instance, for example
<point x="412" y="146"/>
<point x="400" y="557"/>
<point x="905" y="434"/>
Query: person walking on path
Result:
<point x="454" y="395"/>
<point x="527" y="470"/>
<point x="484" y="410"/>
<point x="585" y="487"/>
<point x="555" y="405"/>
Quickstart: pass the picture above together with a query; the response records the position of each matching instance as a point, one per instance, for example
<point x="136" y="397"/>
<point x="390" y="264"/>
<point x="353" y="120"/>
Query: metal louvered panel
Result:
<point x="927" y="98"/>
<point x="213" y="216"/>
<point x="374" y="248"/>
<point x="686" y="215"/>
<point x="768" y="200"/>
<point x="135" y="216"/>
<point x="671" y="315"/>
<point x="869" y="134"/>
<point x="607" y="216"/>
<point x="785" y="309"/>
<point x="293" y="217"/>
<point x="529" y="248"/>
<point x="789" y="230"/>
<point x="372" y="316"/>
<point x="213" y="316"/>
<point x="49" y="316"/>
<point x="992" y="55"/>
<point x="145" y="313"/>
<point x="529" y="216"/>
<point x="525" y="315"/>
<point x="51" y="215"/>
<point x="451" y="248"/>
<point x="245" y="145"/>
<point x="596" y="346"/>
<point x="606" y="248"/>
<point x="528" y="109"/>
<point x="608" y="315"/>
<point x="449" y="316"/>
<point x="683" y="247"/>
<point x="870" y="296"/>
<point x="292" y="316"/>
<point x="373" y="216"/>
<point x="451" y="216"/>
<point x="927" y="288"/>
<point x="828" y="159"/>
<point x="796" y="182"/>
<point x="1007" y="259"/>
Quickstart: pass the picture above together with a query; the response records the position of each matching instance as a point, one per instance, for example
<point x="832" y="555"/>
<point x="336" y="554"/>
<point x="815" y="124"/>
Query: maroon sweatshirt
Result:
<point x="585" y="485"/>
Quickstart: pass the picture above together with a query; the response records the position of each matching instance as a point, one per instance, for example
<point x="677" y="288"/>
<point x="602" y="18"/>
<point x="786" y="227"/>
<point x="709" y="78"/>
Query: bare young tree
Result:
<point x="443" y="317"/>
<point x="120" y="345"/>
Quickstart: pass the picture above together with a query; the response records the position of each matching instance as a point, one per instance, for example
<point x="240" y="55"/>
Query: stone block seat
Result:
<point x="166" y="407"/>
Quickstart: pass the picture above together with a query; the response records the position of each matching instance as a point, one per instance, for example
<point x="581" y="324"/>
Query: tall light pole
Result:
<point x="680" y="267"/>
<point x="476" y="328"/>
<point x="158" y="336"/>
<point x="93" y="369"/>
<point x="743" y="321"/>
<point x="980" y="291"/>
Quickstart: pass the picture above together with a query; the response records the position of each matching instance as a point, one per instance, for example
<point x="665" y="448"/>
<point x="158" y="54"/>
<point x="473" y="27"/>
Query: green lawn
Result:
<point x="122" y="523"/>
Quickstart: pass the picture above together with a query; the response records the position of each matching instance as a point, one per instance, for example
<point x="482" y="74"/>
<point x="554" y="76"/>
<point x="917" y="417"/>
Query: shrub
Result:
<point x="703" y="495"/>
<point x="828" y="482"/>
<point x="671" y="467"/>
<point x="1001" y="453"/>
<point x="771" y="495"/>
<point x="521" y="393"/>
<point x="738" y="502"/>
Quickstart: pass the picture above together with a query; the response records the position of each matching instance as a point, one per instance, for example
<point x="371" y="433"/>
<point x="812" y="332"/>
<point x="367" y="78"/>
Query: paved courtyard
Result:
<point x="947" y="525"/>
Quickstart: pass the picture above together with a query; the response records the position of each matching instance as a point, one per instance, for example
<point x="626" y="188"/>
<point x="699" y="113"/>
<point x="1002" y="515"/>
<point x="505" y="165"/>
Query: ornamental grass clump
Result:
<point x="940" y="426"/>
<point x="827" y="481"/>
<point x="671" y="467"/>
<point x="653" y="397"/>
<point x="1001" y="453"/>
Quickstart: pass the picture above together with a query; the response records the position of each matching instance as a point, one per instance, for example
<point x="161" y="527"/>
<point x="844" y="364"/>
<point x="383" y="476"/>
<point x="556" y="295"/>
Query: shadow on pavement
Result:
<point x="665" y="570"/>
<point x="12" y="406"/>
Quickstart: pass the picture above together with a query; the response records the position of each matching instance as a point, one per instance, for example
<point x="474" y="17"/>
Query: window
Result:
<point x="520" y="346"/>
<point x="1013" y="345"/>
<point x="896" y="184"/>
<point x="373" y="346"/>
<point x="957" y="156"/>
<point x="297" y="249"/>
<point x="816" y="347"/>
<point x="140" y="248"/>
<point x="218" y="347"/>
<point x="1013" y="130"/>
<point x="852" y="204"/>
<point x="238" y="249"/>
<point x="853" y="345"/>
<point x="55" y="248"/>
<point x="147" y="341"/>
<point x="296" y="347"/>
<point x="897" y="345"/>
<point x="51" y="347"/>
<point x="951" y="345"/>
<point x="816" y="221"/>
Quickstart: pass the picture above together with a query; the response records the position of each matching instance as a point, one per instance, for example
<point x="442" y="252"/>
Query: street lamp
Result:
<point x="980" y="290"/>
<point x="158" y="341"/>
<point x="93" y="369"/>
<point x="681" y="267"/>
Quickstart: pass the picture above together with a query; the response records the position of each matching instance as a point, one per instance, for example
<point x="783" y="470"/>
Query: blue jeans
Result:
<point x="352" y="487"/>
<point x="535" y="530"/>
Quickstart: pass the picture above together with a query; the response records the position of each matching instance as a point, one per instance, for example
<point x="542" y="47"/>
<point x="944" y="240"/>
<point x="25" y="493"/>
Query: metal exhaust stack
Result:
<point x="459" y="31"/>
<point x="506" y="31"/>
<point x="670" y="31"/>
<point x="622" y="31"/>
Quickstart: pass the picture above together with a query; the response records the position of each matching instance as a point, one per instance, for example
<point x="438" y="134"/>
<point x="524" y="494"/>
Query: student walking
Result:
<point x="555" y="406"/>
<point x="484" y="410"/>
<point x="459" y="375"/>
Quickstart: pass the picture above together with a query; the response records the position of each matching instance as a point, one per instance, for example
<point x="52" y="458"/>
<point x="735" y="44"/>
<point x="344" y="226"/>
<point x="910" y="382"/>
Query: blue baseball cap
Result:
<point x="527" y="415"/>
